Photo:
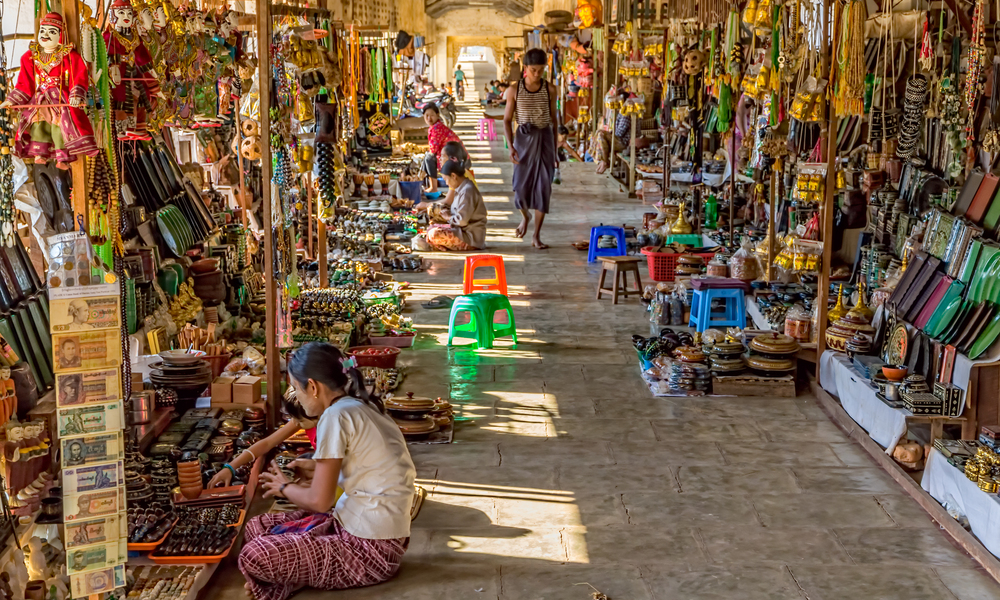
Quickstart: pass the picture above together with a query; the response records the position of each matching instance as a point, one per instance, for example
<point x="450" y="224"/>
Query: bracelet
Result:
<point x="281" y="490"/>
<point x="231" y="469"/>
<point x="251" y="454"/>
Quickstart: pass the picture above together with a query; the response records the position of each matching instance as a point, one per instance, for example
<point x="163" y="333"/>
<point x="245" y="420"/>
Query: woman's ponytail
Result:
<point x="326" y="364"/>
<point x="357" y="389"/>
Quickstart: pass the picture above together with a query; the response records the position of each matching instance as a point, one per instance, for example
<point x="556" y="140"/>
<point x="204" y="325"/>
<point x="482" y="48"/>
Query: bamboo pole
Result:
<point x="270" y="285"/>
<point x="78" y="171"/>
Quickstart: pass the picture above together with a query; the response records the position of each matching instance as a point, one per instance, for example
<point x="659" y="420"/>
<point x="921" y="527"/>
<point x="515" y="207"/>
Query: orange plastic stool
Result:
<point x="479" y="261"/>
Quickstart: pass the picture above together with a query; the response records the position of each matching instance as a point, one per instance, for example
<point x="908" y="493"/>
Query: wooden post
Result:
<point x="771" y="221"/>
<point x="310" y="251"/>
<point x="826" y="212"/>
<point x="270" y="285"/>
<point x="636" y="123"/>
<point x="244" y="204"/>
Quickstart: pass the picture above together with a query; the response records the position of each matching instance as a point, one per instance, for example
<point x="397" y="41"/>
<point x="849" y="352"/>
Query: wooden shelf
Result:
<point x="147" y="432"/>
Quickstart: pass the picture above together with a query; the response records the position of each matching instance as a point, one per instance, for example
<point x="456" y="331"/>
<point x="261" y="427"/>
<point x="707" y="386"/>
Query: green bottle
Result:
<point x="711" y="212"/>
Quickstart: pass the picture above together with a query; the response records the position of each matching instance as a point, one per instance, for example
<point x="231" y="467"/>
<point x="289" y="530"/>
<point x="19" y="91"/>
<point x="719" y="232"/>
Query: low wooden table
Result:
<point x="619" y="266"/>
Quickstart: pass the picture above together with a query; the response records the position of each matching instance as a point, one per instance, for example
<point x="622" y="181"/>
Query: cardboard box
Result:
<point x="246" y="390"/>
<point x="222" y="389"/>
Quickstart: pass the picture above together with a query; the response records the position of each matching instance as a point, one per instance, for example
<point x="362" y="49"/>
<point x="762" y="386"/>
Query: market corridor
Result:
<point x="565" y="470"/>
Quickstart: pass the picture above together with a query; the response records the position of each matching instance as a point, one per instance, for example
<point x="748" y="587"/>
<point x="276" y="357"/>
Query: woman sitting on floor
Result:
<point x="361" y="540"/>
<point x="466" y="226"/>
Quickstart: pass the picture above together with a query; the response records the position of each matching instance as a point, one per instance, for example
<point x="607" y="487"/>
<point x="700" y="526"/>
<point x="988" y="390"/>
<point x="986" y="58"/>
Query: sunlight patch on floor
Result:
<point x="490" y="181"/>
<point x="443" y="487"/>
<point x="461" y="256"/>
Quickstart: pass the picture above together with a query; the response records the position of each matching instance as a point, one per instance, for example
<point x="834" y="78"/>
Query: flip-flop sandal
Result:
<point x="582" y="246"/>
<point x="439" y="302"/>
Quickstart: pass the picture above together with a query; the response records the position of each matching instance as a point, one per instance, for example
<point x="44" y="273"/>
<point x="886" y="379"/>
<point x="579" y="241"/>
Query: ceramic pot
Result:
<point x="205" y="265"/>
<point x="35" y="590"/>
<point x="210" y="286"/>
<point x="191" y="491"/>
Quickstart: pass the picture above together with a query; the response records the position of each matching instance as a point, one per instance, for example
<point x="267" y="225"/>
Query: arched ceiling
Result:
<point x="517" y="8"/>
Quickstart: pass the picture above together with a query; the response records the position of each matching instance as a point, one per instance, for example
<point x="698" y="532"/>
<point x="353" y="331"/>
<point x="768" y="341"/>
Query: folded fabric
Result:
<point x="709" y="283"/>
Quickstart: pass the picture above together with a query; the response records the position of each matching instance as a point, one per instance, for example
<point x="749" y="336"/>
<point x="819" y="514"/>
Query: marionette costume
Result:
<point x="138" y="87"/>
<point x="58" y="132"/>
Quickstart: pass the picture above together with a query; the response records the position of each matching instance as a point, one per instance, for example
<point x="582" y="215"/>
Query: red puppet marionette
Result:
<point x="134" y="87"/>
<point x="52" y="85"/>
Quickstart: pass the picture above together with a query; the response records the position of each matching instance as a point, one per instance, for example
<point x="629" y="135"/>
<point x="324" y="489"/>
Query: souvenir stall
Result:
<point x="154" y="295"/>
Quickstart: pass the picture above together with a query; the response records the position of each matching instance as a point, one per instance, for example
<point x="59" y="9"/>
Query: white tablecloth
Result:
<point x="885" y="425"/>
<point x="952" y="488"/>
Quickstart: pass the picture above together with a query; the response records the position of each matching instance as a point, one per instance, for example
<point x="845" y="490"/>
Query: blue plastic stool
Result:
<point x="595" y="235"/>
<point x="701" y="309"/>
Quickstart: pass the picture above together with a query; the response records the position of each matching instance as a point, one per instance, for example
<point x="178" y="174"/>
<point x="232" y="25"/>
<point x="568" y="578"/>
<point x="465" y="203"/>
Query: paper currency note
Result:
<point x="96" y="531"/>
<point x="96" y="582"/>
<point x="86" y="350"/>
<point x="91" y="478"/>
<point x="73" y="389"/>
<point x="92" y="449"/>
<point x="79" y="507"/>
<point x="92" y="418"/>
<point x="85" y="314"/>
<point x="101" y="556"/>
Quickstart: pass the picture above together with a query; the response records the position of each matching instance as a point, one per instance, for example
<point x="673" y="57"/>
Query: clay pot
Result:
<point x="210" y="286"/>
<point x="191" y="491"/>
<point x="35" y="590"/>
<point x="205" y="265"/>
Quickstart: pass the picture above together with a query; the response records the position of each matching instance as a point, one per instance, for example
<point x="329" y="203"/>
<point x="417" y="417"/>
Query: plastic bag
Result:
<point x="70" y="258"/>
<point x="744" y="264"/>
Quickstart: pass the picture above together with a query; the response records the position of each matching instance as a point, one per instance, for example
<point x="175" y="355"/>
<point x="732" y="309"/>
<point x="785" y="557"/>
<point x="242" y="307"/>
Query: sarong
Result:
<point x="325" y="557"/>
<point x="536" y="163"/>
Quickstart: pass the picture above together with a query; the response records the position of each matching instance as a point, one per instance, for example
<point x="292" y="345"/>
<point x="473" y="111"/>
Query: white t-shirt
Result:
<point x="377" y="472"/>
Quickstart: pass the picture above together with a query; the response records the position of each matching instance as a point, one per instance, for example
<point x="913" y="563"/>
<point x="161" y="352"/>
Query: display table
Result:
<point x="885" y="425"/>
<point x="949" y="486"/>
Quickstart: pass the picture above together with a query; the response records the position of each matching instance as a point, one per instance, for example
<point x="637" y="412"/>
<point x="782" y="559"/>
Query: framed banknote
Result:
<point x="98" y="556"/>
<point x="92" y="478"/>
<point x="86" y="350"/>
<point x="88" y="387"/>
<point x="96" y="531"/>
<point x="90" y="419"/>
<point x="84" y="314"/>
<point x="92" y="449"/>
<point x="81" y="507"/>
<point x="97" y="582"/>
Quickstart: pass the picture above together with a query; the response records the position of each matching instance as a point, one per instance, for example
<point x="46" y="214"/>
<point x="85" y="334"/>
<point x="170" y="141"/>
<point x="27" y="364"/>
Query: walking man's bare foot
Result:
<point x="537" y="243"/>
<point x="522" y="228"/>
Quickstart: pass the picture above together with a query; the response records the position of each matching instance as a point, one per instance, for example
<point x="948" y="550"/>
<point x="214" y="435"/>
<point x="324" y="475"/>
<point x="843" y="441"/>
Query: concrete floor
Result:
<point x="570" y="472"/>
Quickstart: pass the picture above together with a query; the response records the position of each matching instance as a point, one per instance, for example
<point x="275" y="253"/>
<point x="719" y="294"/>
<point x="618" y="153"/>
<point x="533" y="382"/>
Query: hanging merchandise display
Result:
<point x="50" y="97"/>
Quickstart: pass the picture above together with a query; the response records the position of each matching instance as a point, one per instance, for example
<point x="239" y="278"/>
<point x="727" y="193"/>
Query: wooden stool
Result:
<point x="619" y="265"/>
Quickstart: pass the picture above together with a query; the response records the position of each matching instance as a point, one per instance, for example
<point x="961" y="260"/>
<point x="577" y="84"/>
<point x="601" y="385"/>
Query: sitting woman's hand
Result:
<point x="272" y="480"/>
<point x="304" y="468"/>
<point x="221" y="479"/>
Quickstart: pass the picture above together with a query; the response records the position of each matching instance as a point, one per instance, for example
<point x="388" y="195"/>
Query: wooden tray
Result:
<point x="753" y="385"/>
<point x="150" y="546"/>
<point x="193" y="560"/>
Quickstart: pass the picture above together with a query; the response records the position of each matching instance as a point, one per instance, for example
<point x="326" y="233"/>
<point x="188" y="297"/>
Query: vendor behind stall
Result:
<point x="438" y="134"/>
<point x="466" y="227"/>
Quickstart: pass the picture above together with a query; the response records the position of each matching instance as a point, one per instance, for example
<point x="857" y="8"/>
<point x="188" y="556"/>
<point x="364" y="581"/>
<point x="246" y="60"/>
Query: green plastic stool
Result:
<point x="481" y="308"/>
<point x="493" y="304"/>
<point x="477" y="321"/>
